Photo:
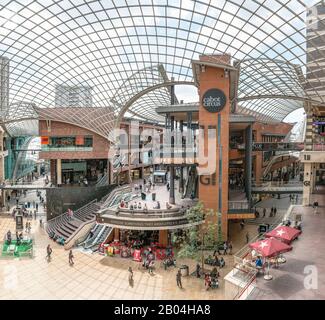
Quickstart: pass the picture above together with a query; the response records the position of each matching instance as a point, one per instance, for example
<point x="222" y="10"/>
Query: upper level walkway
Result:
<point x="274" y="187"/>
<point x="26" y="186"/>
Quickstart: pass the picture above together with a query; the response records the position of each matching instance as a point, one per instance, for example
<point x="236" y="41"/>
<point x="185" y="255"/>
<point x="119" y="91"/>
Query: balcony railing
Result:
<point x="66" y="149"/>
<point x="319" y="147"/>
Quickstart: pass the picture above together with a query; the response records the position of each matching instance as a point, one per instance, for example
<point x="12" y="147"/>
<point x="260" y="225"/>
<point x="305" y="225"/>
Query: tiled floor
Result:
<point x="97" y="277"/>
<point x="92" y="277"/>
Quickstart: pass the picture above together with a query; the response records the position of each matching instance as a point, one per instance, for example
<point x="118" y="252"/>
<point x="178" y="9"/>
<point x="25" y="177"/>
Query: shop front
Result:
<point x="75" y="171"/>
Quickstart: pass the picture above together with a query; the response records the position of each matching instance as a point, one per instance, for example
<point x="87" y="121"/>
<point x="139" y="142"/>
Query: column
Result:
<point x="189" y="131"/>
<point x="116" y="234"/>
<point x="248" y="163"/>
<point x="309" y="129"/>
<point x="163" y="238"/>
<point x="181" y="179"/>
<point x="307" y="184"/>
<point x="59" y="171"/>
<point x="172" y="141"/>
<point x="109" y="172"/>
<point x="171" y="168"/>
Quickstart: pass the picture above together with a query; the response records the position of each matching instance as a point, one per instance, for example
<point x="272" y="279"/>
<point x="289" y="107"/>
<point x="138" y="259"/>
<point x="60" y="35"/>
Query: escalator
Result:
<point x="101" y="238"/>
<point x="93" y="233"/>
<point x="100" y="234"/>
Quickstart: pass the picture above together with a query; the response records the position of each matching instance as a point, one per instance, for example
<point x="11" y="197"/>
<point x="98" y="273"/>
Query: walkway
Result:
<point x="92" y="277"/>
<point x="288" y="281"/>
<point x="31" y="196"/>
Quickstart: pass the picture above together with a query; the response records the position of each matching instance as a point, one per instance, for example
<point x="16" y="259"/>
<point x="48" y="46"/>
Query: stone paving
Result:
<point x="308" y="255"/>
<point x="92" y="277"/>
<point x="97" y="277"/>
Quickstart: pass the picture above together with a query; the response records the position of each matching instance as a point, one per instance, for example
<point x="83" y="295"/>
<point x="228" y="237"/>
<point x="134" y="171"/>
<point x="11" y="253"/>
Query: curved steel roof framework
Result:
<point x="128" y="50"/>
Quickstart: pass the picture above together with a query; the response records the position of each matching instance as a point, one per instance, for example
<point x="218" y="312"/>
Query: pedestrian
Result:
<point x="36" y="206"/>
<point x="274" y="211"/>
<point x="264" y="212"/>
<point x="29" y="227"/>
<point x="247" y="237"/>
<point x="242" y="224"/>
<point x="26" y="226"/>
<point x="71" y="258"/>
<point x="179" y="279"/>
<point x="225" y="248"/>
<point x="198" y="269"/>
<point x="230" y="247"/>
<point x="151" y="266"/>
<point x="130" y="276"/>
<point x="315" y="207"/>
<point x="48" y="252"/>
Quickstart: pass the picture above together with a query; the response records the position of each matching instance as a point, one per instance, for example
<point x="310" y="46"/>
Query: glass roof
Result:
<point x="127" y="50"/>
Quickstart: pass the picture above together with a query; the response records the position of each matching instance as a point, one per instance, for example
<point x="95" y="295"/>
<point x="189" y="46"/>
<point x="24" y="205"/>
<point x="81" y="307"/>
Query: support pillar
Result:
<point x="59" y="171"/>
<point x="181" y="178"/>
<point x="163" y="238"/>
<point x="116" y="234"/>
<point x="248" y="163"/>
<point x="172" y="142"/>
<point x="171" y="168"/>
<point x="307" y="184"/>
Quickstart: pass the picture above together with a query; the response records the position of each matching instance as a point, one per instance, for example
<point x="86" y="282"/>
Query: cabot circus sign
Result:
<point x="214" y="100"/>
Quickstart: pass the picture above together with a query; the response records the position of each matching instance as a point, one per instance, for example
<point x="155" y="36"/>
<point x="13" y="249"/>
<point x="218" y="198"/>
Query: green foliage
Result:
<point x="196" y="238"/>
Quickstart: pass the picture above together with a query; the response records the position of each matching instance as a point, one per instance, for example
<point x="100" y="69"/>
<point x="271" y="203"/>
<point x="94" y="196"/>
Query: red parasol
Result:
<point x="270" y="247"/>
<point x="284" y="233"/>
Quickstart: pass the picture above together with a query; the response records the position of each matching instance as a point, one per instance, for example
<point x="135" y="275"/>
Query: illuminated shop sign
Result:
<point x="214" y="100"/>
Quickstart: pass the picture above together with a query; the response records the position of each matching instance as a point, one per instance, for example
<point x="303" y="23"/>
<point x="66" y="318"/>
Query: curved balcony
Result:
<point x="155" y="219"/>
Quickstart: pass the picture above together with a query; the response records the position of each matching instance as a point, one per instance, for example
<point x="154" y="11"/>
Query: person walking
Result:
<point x="48" y="253"/>
<point x="230" y="247"/>
<point x="242" y="224"/>
<point x="198" y="270"/>
<point x="264" y="212"/>
<point x="274" y="211"/>
<point x="151" y="267"/>
<point x="247" y="237"/>
<point x="130" y="276"/>
<point x="225" y="248"/>
<point x="71" y="257"/>
<point x="179" y="279"/>
<point x="29" y="227"/>
<point x="315" y="207"/>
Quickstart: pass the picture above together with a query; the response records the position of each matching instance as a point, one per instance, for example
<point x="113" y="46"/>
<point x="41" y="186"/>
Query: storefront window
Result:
<point x="71" y="141"/>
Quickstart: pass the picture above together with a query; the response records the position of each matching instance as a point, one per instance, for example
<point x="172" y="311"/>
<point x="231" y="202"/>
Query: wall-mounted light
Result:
<point x="202" y="68"/>
<point x="226" y="73"/>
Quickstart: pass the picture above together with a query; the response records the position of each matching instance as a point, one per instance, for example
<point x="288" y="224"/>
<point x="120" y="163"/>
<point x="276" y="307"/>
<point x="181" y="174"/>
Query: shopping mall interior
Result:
<point x="162" y="151"/>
